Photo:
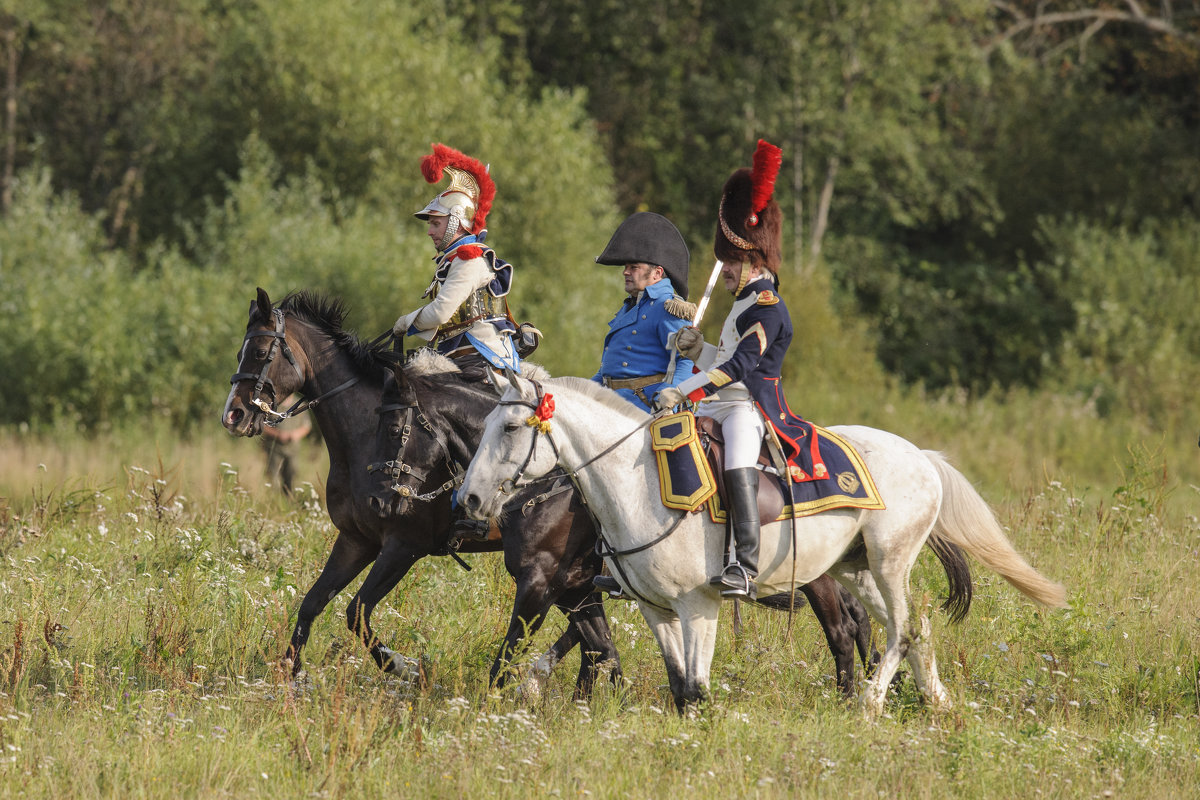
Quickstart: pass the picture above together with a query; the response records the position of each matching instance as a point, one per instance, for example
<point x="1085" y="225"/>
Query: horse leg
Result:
<point x="528" y="614"/>
<point x="824" y="597"/>
<point x="924" y="665"/>
<point x="393" y="562"/>
<point x="862" y="584"/>
<point x="535" y="680"/>
<point x="698" y="613"/>
<point x="853" y="611"/>
<point x="668" y="630"/>
<point x="596" y="644"/>
<point x="348" y="557"/>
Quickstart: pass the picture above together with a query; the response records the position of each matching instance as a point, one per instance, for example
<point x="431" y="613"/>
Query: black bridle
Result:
<point x="398" y="467"/>
<point x="279" y="344"/>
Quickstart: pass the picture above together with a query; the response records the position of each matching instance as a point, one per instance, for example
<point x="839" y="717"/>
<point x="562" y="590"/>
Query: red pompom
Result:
<point x="767" y="160"/>
<point x="545" y="409"/>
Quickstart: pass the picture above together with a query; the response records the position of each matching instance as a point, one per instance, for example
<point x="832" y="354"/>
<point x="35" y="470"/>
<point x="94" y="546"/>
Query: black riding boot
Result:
<point x="738" y="578"/>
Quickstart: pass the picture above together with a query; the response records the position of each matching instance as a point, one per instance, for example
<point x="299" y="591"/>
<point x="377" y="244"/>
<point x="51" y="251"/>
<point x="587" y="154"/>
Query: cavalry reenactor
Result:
<point x="466" y="315"/>
<point x="740" y="378"/>
<point x="637" y="356"/>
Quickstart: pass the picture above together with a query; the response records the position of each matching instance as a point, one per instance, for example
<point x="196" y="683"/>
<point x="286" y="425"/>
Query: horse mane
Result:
<point x="327" y="315"/>
<point x="601" y="394"/>
<point x="427" y="363"/>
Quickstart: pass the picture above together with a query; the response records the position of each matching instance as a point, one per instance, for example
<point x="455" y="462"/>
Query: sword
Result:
<point x="708" y="290"/>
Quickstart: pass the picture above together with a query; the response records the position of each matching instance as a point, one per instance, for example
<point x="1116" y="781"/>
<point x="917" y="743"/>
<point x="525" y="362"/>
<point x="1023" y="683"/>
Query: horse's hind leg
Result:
<point x="392" y="564"/>
<point x="348" y="557"/>
<point x="824" y="595"/>
<point x="924" y="665"/>
<point x="861" y="621"/>
<point x="861" y="583"/>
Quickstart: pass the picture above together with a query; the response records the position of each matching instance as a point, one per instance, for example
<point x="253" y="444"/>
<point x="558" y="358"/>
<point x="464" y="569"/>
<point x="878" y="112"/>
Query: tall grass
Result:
<point x="144" y="612"/>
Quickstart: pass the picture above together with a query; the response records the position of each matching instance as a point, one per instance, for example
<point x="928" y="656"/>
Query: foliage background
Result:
<point x="991" y="240"/>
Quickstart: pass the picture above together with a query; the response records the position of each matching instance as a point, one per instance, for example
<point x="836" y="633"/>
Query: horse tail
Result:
<point x="958" y="575"/>
<point x="966" y="520"/>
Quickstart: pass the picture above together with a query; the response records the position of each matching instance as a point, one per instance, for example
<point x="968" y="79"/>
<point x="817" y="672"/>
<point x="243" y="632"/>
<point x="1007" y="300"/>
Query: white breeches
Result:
<point x="743" y="428"/>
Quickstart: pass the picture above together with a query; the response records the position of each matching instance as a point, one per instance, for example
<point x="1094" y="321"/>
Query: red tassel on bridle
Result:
<point x="767" y="160"/>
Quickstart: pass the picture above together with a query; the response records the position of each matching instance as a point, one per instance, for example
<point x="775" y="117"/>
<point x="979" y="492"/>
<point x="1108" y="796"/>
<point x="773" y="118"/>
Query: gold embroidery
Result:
<point x="848" y="482"/>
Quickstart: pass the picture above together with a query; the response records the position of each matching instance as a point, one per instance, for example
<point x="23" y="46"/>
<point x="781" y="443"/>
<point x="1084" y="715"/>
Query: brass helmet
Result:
<point x="749" y="221"/>
<point x="468" y="198"/>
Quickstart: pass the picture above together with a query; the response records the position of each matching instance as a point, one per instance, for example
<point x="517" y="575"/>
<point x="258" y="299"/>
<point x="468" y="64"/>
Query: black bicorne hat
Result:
<point x="650" y="238"/>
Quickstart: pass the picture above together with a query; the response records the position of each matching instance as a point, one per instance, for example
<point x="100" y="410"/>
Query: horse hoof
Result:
<point x="400" y="665"/>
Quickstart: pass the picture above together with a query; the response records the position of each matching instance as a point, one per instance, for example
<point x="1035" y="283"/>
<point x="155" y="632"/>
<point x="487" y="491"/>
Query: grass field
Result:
<point x="143" y="610"/>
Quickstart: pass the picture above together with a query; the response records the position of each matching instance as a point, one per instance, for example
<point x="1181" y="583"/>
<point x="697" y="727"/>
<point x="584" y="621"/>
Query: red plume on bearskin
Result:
<point x="442" y="157"/>
<point x="767" y="160"/>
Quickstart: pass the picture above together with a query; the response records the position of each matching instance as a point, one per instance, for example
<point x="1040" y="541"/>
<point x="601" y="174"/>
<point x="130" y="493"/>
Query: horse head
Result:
<point x="516" y="448"/>
<point x="399" y="481"/>
<point x="268" y="370"/>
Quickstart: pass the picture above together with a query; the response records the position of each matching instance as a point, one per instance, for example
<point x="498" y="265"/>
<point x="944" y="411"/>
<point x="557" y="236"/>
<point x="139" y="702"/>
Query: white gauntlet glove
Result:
<point x="668" y="397"/>
<point x="690" y="343"/>
<point x="402" y="325"/>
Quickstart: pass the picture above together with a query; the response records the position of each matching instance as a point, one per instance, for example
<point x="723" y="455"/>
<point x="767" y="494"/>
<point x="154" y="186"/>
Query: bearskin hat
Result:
<point x="749" y="221"/>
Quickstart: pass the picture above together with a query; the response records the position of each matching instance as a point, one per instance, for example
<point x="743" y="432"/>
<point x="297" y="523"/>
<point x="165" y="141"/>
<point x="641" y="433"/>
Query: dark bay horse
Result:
<point x="432" y="417"/>
<point x="300" y="346"/>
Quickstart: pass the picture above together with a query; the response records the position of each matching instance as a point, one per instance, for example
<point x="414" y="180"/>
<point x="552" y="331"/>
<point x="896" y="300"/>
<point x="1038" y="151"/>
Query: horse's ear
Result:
<point x="512" y="378"/>
<point x="263" y="302"/>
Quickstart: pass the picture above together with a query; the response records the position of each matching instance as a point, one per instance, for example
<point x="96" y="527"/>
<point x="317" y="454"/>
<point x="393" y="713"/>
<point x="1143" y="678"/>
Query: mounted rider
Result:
<point x="637" y="354"/>
<point x="740" y="378"/>
<point x="466" y="316"/>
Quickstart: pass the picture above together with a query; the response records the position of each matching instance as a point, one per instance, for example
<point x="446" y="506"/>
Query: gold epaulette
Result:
<point x="767" y="298"/>
<point x="681" y="308"/>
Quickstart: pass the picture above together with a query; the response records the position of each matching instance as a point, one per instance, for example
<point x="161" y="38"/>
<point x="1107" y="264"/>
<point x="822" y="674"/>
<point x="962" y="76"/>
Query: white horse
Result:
<point x="664" y="557"/>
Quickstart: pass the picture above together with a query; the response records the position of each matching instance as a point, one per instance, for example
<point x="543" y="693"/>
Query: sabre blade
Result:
<point x="708" y="290"/>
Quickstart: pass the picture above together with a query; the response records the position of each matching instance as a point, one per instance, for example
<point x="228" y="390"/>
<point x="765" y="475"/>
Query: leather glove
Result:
<point x="690" y="343"/>
<point x="528" y="338"/>
<point x="668" y="397"/>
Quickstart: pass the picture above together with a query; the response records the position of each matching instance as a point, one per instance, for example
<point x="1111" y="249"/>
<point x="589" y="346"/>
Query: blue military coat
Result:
<point x="753" y="343"/>
<point x="636" y="344"/>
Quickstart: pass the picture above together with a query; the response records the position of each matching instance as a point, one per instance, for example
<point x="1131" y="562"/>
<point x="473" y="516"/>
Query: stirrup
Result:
<point x="466" y="528"/>
<point x="609" y="584"/>
<point x="735" y="582"/>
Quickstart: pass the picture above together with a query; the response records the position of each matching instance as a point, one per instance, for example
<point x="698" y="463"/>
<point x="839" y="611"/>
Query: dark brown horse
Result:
<point x="300" y="346"/>
<point x="432" y="418"/>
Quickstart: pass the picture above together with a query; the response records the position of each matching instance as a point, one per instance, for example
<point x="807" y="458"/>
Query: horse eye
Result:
<point x="510" y="427"/>
<point x="394" y="431"/>
<point x="261" y="353"/>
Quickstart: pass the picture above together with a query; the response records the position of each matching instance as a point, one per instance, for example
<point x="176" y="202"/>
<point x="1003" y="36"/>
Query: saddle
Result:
<point x="690" y="453"/>
<point x="770" y="488"/>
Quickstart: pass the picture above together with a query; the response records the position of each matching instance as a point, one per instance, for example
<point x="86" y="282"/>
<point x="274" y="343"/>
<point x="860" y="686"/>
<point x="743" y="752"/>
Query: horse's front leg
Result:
<point x="686" y="636"/>
<point x="349" y="556"/>
<point x="596" y="644"/>
<point x="528" y="613"/>
<point x="393" y="562"/>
